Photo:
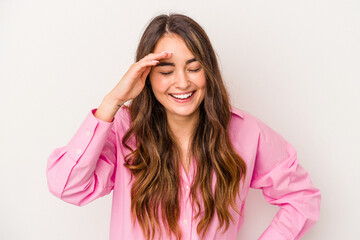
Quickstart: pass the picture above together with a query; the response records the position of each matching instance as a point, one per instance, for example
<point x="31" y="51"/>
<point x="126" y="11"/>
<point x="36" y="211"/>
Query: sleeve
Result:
<point x="284" y="183"/>
<point x="83" y="170"/>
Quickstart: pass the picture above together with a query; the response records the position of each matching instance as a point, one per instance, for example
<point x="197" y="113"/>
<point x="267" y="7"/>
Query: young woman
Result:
<point x="179" y="159"/>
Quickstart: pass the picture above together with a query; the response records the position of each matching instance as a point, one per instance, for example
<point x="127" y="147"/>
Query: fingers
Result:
<point x="141" y="66"/>
<point x="149" y="61"/>
<point x="145" y="73"/>
<point x="157" y="56"/>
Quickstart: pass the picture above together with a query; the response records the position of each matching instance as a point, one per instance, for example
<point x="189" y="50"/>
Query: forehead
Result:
<point x="173" y="43"/>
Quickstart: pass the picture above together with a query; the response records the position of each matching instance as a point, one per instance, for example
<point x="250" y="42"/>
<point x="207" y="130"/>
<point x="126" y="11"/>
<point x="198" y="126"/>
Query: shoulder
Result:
<point x="237" y="112"/>
<point x="247" y="118"/>
<point x="251" y="136"/>
<point x="249" y="123"/>
<point x="242" y="117"/>
<point x="242" y="114"/>
<point x="243" y="125"/>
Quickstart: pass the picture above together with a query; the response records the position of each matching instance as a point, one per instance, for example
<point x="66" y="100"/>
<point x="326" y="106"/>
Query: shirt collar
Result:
<point x="238" y="112"/>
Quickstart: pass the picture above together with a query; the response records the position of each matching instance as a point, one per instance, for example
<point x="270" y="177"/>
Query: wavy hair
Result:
<point x="155" y="161"/>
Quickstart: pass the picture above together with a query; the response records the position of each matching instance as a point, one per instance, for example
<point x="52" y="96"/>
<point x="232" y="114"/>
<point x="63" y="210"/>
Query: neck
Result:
<point x="183" y="126"/>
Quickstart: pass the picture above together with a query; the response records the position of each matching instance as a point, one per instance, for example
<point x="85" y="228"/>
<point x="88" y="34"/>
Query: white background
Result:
<point x="293" y="64"/>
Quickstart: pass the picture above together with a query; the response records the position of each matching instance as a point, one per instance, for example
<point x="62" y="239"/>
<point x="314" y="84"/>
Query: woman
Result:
<point x="179" y="159"/>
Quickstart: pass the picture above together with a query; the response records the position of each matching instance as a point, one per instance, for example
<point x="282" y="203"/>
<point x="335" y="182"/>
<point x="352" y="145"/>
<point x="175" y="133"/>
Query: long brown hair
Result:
<point x="155" y="161"/>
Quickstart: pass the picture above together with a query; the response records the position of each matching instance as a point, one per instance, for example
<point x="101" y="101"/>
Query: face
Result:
<point x="178" y="82"/>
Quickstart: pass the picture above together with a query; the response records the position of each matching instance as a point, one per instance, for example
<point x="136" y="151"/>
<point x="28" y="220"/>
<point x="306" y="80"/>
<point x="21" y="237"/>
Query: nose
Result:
<point x="181" y="80"/>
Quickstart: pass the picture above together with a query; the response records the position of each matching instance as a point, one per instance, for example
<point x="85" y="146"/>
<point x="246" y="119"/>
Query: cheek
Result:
<point x="199" y="80"/>
<point x="203" y="82"/>
<point x="158" y="85"/>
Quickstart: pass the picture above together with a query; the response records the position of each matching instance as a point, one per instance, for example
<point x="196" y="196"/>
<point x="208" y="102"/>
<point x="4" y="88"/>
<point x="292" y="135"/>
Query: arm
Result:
<point x="83" y="170"/>
<point x="284" y="183"/>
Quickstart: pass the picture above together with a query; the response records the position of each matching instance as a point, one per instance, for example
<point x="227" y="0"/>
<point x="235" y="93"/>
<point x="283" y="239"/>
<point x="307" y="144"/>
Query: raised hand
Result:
<point x="134" y="79"/>
<point x="129" y="86"/>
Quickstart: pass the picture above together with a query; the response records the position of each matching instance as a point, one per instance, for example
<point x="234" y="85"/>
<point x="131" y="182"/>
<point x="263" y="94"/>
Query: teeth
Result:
<point x="182" y="96"/>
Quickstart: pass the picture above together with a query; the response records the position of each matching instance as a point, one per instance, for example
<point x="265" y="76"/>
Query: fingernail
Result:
<point x="156" y="61"/>
<point x="166" y="52"/>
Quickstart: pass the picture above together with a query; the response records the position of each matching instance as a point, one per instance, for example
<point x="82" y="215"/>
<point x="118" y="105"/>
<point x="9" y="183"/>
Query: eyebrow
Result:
<point x="172" y="64"/>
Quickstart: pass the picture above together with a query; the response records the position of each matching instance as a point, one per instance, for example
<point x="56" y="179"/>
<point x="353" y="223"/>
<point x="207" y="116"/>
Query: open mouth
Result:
<point x="182" y="96"/>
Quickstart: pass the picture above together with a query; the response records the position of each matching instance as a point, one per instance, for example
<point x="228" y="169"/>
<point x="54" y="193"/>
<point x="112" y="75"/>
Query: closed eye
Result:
<point x="190" y="70"/>
<point x="165" y="73"/>
<point x="194" y="70"/>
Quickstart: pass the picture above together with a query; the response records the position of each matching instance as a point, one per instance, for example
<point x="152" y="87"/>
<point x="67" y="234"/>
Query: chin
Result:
<point x="182" y="112"/>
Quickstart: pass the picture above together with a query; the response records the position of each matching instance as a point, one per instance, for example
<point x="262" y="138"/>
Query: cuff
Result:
<point x="85" y="134"/>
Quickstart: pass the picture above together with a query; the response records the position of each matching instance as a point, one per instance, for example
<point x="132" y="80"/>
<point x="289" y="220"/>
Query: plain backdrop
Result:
<point x="293" y="64"/>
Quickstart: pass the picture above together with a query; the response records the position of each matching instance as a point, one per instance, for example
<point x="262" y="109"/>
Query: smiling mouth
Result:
<point x="182" y="96"/>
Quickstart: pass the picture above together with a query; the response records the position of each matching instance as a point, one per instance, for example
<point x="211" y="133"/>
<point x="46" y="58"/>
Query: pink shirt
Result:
<point x="91" y="166"/>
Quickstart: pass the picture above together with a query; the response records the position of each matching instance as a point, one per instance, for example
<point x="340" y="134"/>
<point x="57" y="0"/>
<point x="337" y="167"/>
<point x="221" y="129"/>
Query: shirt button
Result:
<point x="78" y="151"/>
<point x="185" y="221"/>
<point x="88" y="133"/>
<point x="187" y="187"/>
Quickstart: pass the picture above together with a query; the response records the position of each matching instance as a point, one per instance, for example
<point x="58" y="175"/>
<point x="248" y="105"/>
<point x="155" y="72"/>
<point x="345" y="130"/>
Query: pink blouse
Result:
<point x="91" y="166"/>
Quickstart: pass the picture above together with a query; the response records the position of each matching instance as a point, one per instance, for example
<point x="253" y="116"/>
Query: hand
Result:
<point x="134" y="79"/>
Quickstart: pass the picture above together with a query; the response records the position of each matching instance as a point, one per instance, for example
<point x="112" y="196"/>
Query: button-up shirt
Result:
<point x="91" y="166"/>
